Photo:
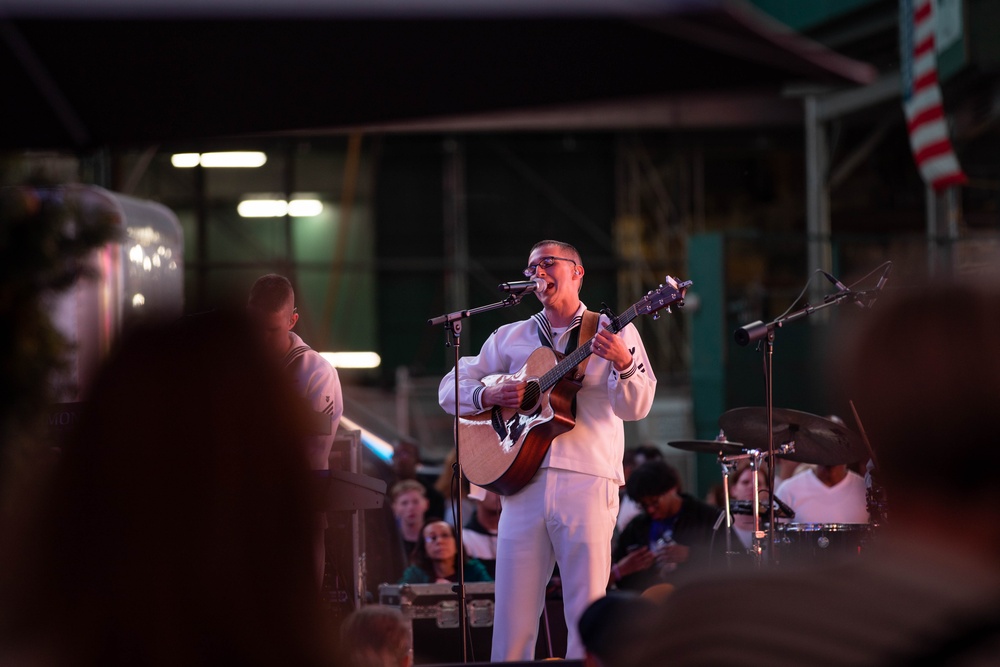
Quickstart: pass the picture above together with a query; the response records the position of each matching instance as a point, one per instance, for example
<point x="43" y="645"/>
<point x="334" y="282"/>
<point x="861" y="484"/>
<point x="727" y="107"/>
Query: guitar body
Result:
<point x="502" y="448"/>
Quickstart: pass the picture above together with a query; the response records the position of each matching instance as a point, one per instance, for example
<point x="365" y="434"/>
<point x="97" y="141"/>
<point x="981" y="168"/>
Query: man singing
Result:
<point x="566" y="514"/>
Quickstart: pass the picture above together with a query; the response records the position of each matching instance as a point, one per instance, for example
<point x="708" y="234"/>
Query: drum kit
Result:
<point x="800" y="437"/>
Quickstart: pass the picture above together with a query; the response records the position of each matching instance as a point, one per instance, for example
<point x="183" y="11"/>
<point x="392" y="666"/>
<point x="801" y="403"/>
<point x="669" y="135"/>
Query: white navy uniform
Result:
<point x="567" y="513"/>
<point x="317" y="381"/>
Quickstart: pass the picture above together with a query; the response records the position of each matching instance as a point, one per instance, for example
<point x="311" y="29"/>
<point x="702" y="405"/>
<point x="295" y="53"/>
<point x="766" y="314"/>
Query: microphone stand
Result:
<point x="453" y="324"/>
<point x="757" y="331"/>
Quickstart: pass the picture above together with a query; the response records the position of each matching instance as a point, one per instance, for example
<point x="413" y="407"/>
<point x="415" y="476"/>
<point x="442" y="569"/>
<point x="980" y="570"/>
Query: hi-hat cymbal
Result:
<point x="817" y="439"/>
<point x="709" y="446"/>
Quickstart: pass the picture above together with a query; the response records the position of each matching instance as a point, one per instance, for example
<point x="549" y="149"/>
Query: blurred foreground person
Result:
<point x="376" y="636"/>
<point x="924" y="374"/>
<point x="612" y="628"/>
<point x="178" y="526"/>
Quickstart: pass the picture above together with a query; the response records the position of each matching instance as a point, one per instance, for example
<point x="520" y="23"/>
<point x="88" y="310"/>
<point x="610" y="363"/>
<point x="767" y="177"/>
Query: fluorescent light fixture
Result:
<point x="262" y="208"/>
<point x="352" y="359"/>
<point x="305" y="208"/>
<point x="185" y="160"/>
<point x="232" y="159"/>
<point x="276" y="208"/>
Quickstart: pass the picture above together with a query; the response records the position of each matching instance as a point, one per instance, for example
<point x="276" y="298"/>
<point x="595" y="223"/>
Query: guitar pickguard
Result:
<point x="511" y="429"/>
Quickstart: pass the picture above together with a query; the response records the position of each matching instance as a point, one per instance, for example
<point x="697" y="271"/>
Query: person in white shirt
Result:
<point x="272" y="308"/>
<point x="826" y="494"/>
<point x="566" y="513"/>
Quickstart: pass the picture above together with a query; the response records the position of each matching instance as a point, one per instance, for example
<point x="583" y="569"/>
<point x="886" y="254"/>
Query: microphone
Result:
<point x="881" y="283"/>
<point x="839" y="285"/>
<point x="785" y="509"/>
<point x="523" y="286"/>
<point x="843" y="288"/>
<point x="750" y="333"/>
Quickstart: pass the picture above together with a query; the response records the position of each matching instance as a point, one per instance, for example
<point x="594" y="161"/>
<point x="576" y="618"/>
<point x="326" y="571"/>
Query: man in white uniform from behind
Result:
<point x="272" y="306"/>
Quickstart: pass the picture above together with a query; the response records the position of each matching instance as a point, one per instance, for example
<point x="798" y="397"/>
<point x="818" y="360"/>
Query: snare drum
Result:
<point x="813" y="543"/>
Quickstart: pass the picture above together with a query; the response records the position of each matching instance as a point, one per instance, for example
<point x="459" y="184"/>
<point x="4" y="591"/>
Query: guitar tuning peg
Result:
<point x="668" y="309"/>
<point x="656" y="316"/>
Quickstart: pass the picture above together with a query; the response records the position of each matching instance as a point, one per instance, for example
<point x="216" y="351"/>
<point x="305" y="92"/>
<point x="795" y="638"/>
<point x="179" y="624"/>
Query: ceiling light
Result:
<point x="352" y="359"/>
<point x="305" y="208"/>
<point x="233" y="159"/>
<point x="262" y="208"/>
<point x="276" y="208"/>
<point x="185" y="160"/>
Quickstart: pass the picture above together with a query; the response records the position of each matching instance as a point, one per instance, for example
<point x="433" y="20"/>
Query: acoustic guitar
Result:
<point x="502" y="448"/>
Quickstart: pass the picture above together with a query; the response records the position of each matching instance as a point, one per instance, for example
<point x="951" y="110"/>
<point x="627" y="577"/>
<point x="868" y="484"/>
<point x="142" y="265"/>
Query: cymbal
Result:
<point x="817" y="439"/>
<point x="709" y="446"/>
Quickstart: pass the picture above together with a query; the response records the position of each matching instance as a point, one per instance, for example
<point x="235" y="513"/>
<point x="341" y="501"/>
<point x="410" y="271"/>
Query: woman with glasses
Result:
<point x="435" y="558"/>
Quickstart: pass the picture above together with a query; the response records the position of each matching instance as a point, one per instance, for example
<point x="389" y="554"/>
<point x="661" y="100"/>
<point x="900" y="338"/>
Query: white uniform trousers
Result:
<point x="560" y="517"/>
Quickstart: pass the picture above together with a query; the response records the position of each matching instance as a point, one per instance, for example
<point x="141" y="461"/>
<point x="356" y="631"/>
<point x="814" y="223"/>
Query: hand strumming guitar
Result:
<point x="505" y="394"/>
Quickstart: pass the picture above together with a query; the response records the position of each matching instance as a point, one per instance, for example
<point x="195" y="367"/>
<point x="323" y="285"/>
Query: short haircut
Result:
<point x="615" y="625"/>
<point x="406" y="486"/>
<point x="375" y="636"/>
<point x="272" y="293"/>
<point x="567" y="248"/>
<point x="653" y="478"/>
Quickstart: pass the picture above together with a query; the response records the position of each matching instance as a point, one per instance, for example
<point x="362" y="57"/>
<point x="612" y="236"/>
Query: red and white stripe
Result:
<point x="925" y="120"/>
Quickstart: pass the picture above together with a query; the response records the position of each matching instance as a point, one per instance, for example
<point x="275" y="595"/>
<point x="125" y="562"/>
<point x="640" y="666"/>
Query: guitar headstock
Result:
<point x="670" y="293"/>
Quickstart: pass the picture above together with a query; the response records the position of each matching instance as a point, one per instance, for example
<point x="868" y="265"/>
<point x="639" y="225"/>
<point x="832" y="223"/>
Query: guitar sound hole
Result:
<point x="531" y="395"/>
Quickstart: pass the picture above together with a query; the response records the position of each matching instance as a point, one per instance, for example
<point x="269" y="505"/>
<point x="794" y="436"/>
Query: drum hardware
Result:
<point x="808" y="543"/>
<point x="806" y="446"/>
<point x="816" y="440"/>
<point x="781" y="510"/>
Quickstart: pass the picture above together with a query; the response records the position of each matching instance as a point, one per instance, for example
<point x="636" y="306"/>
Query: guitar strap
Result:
<point x="586" y="331"/>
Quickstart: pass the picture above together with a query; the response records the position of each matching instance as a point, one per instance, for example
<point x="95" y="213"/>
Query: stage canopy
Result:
<point x="125" y="72"/>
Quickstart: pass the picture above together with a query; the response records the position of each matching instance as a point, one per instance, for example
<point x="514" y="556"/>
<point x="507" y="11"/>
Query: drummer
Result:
<point x="825" y="493"/>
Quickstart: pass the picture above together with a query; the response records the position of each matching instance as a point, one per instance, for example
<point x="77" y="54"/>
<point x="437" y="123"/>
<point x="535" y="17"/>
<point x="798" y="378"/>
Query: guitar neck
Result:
<point x="573" y="359"/>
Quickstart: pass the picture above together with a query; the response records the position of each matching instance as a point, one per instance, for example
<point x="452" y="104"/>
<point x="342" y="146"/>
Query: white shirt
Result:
<point x="628" y="510"/>
<point x="479" y="545"/>
<point x="317" y="381"/>
<point x="815" y="502"/>
<point x="596" y="444"/>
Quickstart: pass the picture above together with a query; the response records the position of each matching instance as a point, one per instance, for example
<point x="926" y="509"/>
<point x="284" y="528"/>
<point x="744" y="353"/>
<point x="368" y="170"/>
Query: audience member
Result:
<point x="741" y="493"/>
<point x="435" y="560"/>
<point x="178" y="526"/>
<point x="634" y="457"/>
<point x="613" y="628"/>
<point x="405" y="459"/>
<point x="376" y="636"/>
<point x="480" y="535"/>
<point x="409" y="506"/>
<point x="672" y="535"/>
<point x="923" y="370"/>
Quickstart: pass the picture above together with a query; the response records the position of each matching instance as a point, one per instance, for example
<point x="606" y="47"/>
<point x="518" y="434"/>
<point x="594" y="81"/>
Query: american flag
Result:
<point x="925" y="121"/>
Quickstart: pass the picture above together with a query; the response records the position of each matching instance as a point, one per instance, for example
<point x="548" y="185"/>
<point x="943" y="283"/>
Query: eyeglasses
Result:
<point x="438" y="537"/>
<point x="545" y="263"/>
